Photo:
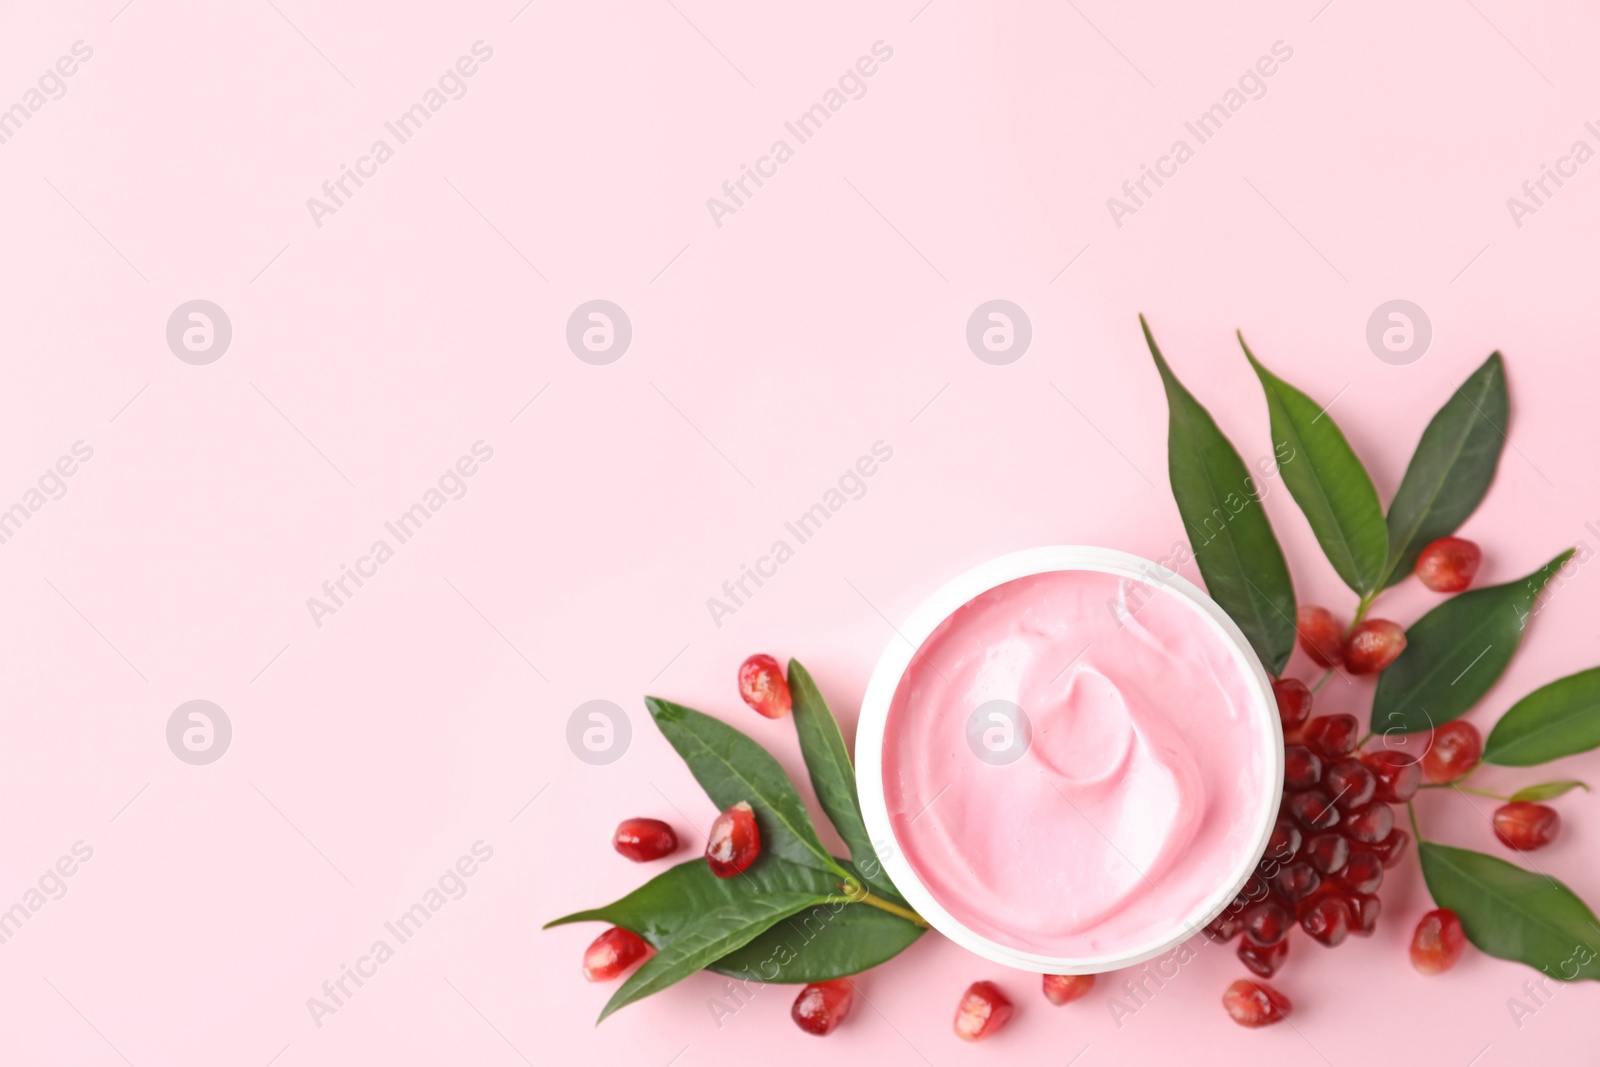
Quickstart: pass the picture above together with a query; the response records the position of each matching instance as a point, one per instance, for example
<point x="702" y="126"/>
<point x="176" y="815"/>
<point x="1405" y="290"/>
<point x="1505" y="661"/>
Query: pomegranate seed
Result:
<point x="1350" y="782"/>
<point x="822" y="1006"/>
<point x="1365" y="911"/>
<point x="1065" y="988"/>
<point x="1449" y="564"/>
<point x="642" y="840"/>
<point x="1294" y="701"/>
<point x="1268" y="922"/>
<point x="612" y="953"/>
<point x="1327" y="920"/>
<point x="1255" y="1004"/>
<point x="1398" y="775"/>
<point x="1284" y="842"/>
<point x="982" y="1012"/>
<point x="735" y="842"/>
<point x="1368" y="824"/>
<point x="1454" y="749"/>
<point x="1525" y="826"/>
<point x="1263" y="960"/>
<point x="1328" y="853"/>
<point x="1321" y="636"/>
<point x="1296" y="881"/>
<point x="1373" y="645"/>
<point x="1391" y="848"/>
<point x="1438" y="943"/>
<point x="1225" y="927"/>
<point x="762" y="685"/>
<point x="1313" y="810"/>
<point x="1302" y="768"/>
<point x="1332" y="736"/>
<point x="1363" y="874"/>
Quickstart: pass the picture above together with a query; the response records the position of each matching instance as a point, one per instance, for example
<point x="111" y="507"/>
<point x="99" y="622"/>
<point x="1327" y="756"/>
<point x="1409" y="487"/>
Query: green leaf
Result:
<point x="1560" y="719"/>
<point x="1327" y="481"/>
<point x="1547" y="790"/>
<point x="731" y="767"/>
<point x="1455" y="653"/>
<point x="1512" y="913"/>
<point x="711" y="937"/>
<point x="1233" y="542"/>
<point x="804" y="949"/>
<point x="833" y="776"/>
<point x="1451" y="469"/>
<point x="857" y="938"/>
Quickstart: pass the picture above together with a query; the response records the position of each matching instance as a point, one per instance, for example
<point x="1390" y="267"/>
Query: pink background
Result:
<point x="768" y="354"/>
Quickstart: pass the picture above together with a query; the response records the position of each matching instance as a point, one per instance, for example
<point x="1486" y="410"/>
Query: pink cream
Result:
<point x="1138" y="796"/>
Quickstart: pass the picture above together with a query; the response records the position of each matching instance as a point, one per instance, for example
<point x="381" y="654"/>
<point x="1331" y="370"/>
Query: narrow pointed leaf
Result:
<point x="803" y="948"/>
<point x="1548" y="791"/>
<point x="1514" y="914"/>
<point x="713" y="936"/>
<point x="1451" y="469"/>
<point x="730" y="767"/>
<point x="1327" y="481"/>
<point x="1238" y="555"/>
<point x="1455" y="653"/>
<point x="1559" y="719"/>
<point x="833" y="776"/>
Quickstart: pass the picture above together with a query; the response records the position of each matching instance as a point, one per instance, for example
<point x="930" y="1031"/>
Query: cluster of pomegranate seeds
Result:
<point x="1373" y="645"/>
<point x="762" y="685"/>
<point x="982" y="1012"/>
<point x="1449" y="564"/>
<point x="642" y="840"/>
<point x="1255" y="1004"/>
<point x="1453" y="750"/>
<point x="822" y="1006"/>
<point x="734" y="842"/>
<point x="1438" y="942"/>
<point x="1065" y="988"/>
<point x="1325" y="859"/>
<point x="1525" y="826"/>
<point x="612" y="953"/>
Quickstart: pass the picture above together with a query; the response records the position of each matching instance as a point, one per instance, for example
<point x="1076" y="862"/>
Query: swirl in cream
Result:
<point x="1141" y="787"/>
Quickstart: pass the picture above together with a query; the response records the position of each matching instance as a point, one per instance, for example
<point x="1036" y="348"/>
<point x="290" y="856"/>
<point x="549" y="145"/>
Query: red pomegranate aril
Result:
<point x="822" y="1006"/>
<point x="1392" y="848"/>
<point x="1321" y="636"/>
<point x="1263" y="959"/>
<point x="1284" y="842"/>
<point x="1369" y="823"/>
<point x="1373" y="645"/>
<point x="1364" y="913"/>
<point x="1350" y="783"/>
<point x="1254" y="1004"/>
<point x="612" y="953"/>
<point x="1313" y="810"/>
<point x="1525" y="826"/>
<point x="642" y="840"/>
<point x="1363" y="874"/>
<point x="1065" y="988"/>
<point x="1454" y="749"/>
<point x="1327" y="920"/>
<point x="1302" y="768"/>
<point x="735" y="841"/>
<point x="1327" y="853"/>
<point x="1294" y="701"/>
<point x="1449" y="564"/>
<point x="1398" y="775"/>
<point x="1226" y="927"/>
<point x="1438" y="943"/>
<point x="982" y="1012"/>
<point x="1296" y="881"/>
<point x="1332" y="736"/>
<point x="1268" y="922"/>
<point x="762" y="685"/>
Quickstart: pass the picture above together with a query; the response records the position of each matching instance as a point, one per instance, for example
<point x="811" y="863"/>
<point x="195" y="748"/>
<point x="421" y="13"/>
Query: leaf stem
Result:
<point x="1363" y="607"/>
<point x="1362" y="743"/>
<point x="859" y="895"/>
<point x="1324" y="679"/>
<point x="1416" y="831"/>
<point x="1465" y="789"/>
